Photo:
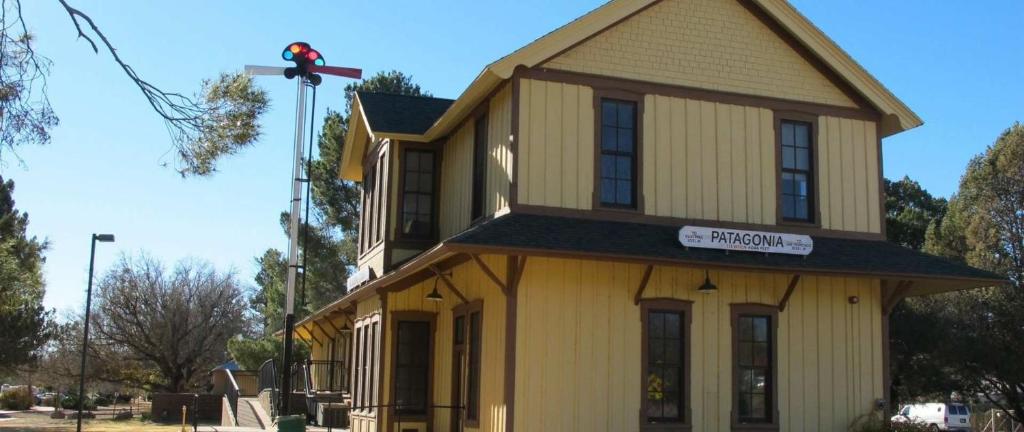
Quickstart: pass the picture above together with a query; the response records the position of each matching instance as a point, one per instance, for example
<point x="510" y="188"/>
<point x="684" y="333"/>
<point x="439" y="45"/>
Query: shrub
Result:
<point x="71" y="402"/>
<point x="17" y="399"/>
<point x="101" y="400"/>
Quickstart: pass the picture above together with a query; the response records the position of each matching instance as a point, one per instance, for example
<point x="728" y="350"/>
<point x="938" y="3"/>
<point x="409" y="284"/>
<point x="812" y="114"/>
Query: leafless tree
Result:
<point x="175" y="323"/>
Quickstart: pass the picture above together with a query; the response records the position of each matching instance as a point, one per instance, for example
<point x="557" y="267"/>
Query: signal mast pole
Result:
<point x="308" y="65"/>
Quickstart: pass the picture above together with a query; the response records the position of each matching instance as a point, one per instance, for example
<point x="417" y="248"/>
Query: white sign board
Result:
<point x="746" y="241"/>
<point x="357" y="278"/>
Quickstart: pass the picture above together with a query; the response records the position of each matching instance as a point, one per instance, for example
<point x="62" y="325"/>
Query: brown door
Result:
<point x="458" y="371"/>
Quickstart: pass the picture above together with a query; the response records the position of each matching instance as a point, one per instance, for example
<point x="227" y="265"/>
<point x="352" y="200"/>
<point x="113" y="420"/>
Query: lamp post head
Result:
<point x="105" y="238"/>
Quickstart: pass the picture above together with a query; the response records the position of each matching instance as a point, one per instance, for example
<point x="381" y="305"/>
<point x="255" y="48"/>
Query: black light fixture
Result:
<point x="345" y="329"/>
<point x="434" y="295"/>
<point x="707" y="287"/>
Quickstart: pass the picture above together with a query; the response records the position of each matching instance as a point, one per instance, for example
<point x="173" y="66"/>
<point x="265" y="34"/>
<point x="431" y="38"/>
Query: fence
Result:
<point x="996" y="421"/>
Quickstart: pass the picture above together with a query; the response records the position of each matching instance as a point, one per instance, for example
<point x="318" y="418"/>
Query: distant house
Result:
<point x="523" y="261"/>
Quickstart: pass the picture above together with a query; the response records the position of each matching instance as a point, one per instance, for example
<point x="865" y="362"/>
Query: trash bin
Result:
<point x="292" y="423"/>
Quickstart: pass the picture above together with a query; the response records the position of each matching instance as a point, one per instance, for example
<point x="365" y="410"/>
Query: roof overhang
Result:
<point x="574" y="238"/>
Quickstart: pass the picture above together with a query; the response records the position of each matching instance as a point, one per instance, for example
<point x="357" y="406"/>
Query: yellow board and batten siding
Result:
<point x="578" y="346"/>
<point x="701" y="160"/>
<point x="711" y="44"/>
<point x="475" y="285"/>
<point x="361" y="422"/>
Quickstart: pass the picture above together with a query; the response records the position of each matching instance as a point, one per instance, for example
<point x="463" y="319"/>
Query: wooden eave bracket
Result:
<point x="321" y="330"/>
<point x="789" y="292"/>
<point x="897" y="294"/>
<point x="643" y="284"/>
<point x="490" y="274"/>
<point x="448" y="282"/>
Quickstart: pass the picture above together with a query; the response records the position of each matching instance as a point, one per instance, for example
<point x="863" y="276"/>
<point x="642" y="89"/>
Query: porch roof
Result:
<point x="532" y="234"/>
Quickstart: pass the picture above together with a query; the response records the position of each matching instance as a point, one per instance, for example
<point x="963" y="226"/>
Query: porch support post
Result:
<point x="490" y="274"/>
<point x="789" y="292"/>
<point x="643" y="284"/>
<point x="448" y="283"/>
<point x="514" y="266"/>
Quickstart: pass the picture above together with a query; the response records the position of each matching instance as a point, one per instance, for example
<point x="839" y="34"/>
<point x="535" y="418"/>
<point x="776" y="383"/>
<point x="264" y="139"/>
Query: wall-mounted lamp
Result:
<point x="434" y="295"/>
<point x="853" y="300"/>
<point x="345" y="329"/>
<point x="707" y="287"/>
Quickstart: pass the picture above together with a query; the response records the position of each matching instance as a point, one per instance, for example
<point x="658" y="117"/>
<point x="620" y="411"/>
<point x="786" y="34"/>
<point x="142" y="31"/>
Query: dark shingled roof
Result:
<point x="402" y="114"/>
<point x="636" y="240"/>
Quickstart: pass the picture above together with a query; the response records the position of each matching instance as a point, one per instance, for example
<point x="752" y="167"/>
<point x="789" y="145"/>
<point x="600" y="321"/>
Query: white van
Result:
<point x="940" y="416"/>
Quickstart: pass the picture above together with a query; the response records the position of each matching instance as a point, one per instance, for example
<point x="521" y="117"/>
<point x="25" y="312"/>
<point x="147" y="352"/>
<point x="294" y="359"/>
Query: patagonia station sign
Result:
<point x="745" y="241"/>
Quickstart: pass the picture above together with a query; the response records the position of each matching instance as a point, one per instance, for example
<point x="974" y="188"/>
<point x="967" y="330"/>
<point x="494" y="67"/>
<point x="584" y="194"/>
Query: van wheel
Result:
<point x="935" y="428"/>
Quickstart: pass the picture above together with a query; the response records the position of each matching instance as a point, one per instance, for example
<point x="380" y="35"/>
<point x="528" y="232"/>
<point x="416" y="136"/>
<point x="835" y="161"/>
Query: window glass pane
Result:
<point x="624" y="194"/>
<point x="607" y="191"/>
<point x="473" y="384"/>
<point x="757" y="405"/>
<point x="625" y="139"/>
<point x="411" y="366"/>
<point x="656" y="325"/>
<point x="426" y="181"/>
<point x="803" y="158"/>
<point x="759" y="354"/>
<point x="609" y="113"/>
<point x="787" y="183"/>
<point x="801" y="208"/>
<point x="672" y="379"/>
<point x="625" y="115"/>
<point x="623" y="167"/>
<point x="801" y="184"/>
<point x="656" y="352"/>
<point x="787" y="134"/>
<point x="609" y="138"/>
<point x="460" y="329"/>
<point x="802" y="135"/>
<point x="671" y="405"/>
<point x="746" y="325"/>
<point x="745" y="355"/>
<point x="607" y="166"/>
<point x="654" y="405"/>
<point x="788" y="157"/>
<point x="672" y="329"/>
<point x="760" y="325"/>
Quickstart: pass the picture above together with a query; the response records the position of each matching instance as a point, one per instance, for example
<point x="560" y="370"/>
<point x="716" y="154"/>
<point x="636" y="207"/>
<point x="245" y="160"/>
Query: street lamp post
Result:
<point x="308" y="65"/>
<point x="105" y="238"/>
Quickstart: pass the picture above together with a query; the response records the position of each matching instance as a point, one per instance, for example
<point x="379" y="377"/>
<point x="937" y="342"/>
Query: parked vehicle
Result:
<point x="940" y="416"/>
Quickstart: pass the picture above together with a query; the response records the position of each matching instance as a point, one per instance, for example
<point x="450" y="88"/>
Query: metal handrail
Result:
<point x="232" y="393"/>
<point x="268" y="381"/>
<point x="328" y="375"/>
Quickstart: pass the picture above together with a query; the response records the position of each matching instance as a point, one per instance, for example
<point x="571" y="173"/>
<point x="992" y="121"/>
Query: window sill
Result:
<point x="754" y="427"/>
<point x="796" y="223"/>
<point x="665" y="427"/>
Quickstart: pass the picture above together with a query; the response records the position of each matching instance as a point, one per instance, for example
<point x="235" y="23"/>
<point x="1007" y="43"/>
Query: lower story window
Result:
<point x="412" y="367"/>
<point x="665" y="341"/>
<point x="753" y="364"/>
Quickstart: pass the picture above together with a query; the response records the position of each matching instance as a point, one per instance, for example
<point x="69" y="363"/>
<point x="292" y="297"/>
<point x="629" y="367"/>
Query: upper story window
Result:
<point x="372" y="217"/>
<point x="618" y="158"/>
<point x="797" y="171"/>
<point x="419" y="167"/>
<point x="479" y="167"/>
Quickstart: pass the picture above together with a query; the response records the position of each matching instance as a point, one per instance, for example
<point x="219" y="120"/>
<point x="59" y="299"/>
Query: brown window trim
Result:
<point x="466" y="309"/>
<point x="395" y="317"/>
<point x="480" y="114"/>
<point x="686" y="308"/>
<point x="735" y="311"/>
<point x="429" y="240"/>
<point x="372" y="230"/>
<point x="815" y="195"/>
<point x="365" y="373"/>
<point x="638" y="198"/>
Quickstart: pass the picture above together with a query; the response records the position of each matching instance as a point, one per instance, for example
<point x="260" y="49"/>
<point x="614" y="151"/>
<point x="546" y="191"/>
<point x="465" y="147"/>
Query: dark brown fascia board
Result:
<point x="644" y="260"/>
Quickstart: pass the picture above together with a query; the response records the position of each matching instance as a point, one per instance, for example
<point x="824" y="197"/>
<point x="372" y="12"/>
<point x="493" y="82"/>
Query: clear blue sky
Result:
<point x="957" y="64"/>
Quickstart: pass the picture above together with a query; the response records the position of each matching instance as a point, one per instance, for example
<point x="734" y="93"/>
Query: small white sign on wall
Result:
<point x="745" y="241"/>
<point x="360" y="276"/>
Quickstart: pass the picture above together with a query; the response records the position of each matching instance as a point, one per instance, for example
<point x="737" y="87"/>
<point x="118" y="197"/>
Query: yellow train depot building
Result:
<point x="666" y="215"/>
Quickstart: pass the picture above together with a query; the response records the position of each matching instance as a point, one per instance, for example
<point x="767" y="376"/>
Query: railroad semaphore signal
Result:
<point x="309" y="65"/>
